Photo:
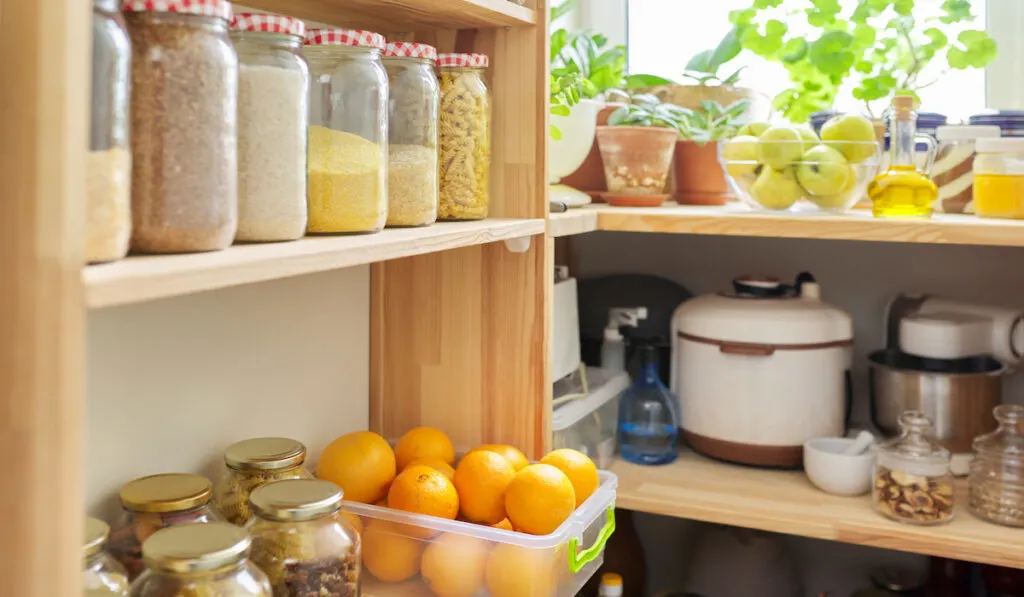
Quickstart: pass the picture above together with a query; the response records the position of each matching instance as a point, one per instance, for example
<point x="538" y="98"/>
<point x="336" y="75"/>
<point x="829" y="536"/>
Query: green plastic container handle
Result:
<point x="578" y="559"/>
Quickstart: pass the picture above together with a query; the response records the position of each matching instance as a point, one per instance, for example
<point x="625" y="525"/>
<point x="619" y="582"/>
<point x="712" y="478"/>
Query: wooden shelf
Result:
<point x="696" y="488"/>
<point x="142" y="278"/>
<point x="574" y="221"/>
<point x="404" y="15"/>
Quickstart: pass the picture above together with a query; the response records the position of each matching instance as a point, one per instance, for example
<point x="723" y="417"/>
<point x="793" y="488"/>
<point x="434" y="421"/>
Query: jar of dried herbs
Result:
<point x="412" y="134"/>
<point x="184" y="112"/>
<point x="465" y="138"/>
<point x="913" y="482"/>
<point x="102" y="576"/>
<point x="152" y="503"/>
<point x="302" y="542"/>
<point x="200" y="560"/>
<point x="252" y="463"/>
<point x="996" y="481"/>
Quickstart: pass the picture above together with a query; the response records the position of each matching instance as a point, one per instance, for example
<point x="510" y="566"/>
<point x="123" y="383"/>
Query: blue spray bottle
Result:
<point x="648" y="416"/>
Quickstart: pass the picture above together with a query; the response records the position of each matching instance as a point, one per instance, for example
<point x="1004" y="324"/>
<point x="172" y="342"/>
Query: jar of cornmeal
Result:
<point x="465" y="139"/>
<point x="999" y="178"/>
<point x="253" y="463"/>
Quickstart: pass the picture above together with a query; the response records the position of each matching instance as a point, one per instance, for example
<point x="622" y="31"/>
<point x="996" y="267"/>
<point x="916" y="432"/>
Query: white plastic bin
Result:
<point x="588" y="423"/>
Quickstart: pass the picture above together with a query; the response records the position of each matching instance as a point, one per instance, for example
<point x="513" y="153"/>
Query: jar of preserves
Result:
<point x="184" y="110"/>
<point x="465" y="137"/>
<point x="996" y="481"/>
<point x="200" y="560"/>
<point x="912" y="478"/>
<point x="348" y="142"/>
<point x="953" y="171"/>
<point x="253" y="463"/>
<point x="999" y="178"/>
<point x="109" y="163"/>
<point x="102" y="576"/>
<point x="412" y="134"/>
<point x="273" y="117"/>
<point x="152" y="503"/>
<point x="301" y="540"/>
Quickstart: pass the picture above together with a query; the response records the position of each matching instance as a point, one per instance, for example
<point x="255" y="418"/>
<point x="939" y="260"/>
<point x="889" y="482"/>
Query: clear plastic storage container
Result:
<point x="348" y="134"/>
<point x="999" y="178"/>
<point x="465" y="138"/>
<point x="586" y="414"/>
<point x="102" y="576"/>
<point x="996" y="480"/>
<point x="913" y="483"/>
<point x="253" y="463"/>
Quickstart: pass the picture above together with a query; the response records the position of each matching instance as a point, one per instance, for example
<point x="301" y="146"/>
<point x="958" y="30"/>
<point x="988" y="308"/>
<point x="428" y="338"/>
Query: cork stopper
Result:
<point x="903" y="106"/>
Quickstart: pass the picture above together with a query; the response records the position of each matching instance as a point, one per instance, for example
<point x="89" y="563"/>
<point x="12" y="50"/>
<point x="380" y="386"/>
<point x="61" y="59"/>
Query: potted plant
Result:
<point x="636" y="151"/>
<point x="699" y="178"/>
<point x="570" y="136"/>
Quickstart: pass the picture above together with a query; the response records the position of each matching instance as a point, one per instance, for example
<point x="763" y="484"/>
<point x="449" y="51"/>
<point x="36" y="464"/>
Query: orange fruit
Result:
<point x="514" y="571"/>
<point x="517" y="458"/>
<point x="582" y="471"/>
<point x="504" y="525"/>
<point x="423" y="442"/>
<point x="389" y="554"/>
<point x="453" y="565"/>
<point x="437" y="464"/>
<point x="481" y="479"/>
<point x="539" y="499"/>
<point x="422" y="490"/>
<point x="361" y="463"/>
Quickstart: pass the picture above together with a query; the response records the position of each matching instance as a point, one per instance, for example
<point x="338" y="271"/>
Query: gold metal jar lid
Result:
<point x="296" y="499"/>
<point x="96" y="533"/>
<point x="265" y="453"/>
<point x="190" y="548"/>
<point x="168" y="492"/>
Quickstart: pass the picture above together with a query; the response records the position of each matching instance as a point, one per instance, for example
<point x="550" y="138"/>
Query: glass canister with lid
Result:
<point x="273" y="119"/>
<point x="200" y="560"/>
<point x="913" y="483"/>
<point x="184" y="113"/>
<point x="953" y="171"/>
<point x="348" y="133"/>
<point x="102" y="576"/>
<point x="152" y="503"/>
<point x="999" y="178"/>
<point x="301" y="540"/>
<point x="465" y="137"/>
<point x="412" y="134"/>
<point x="996" y="480"/>
<point x="253" y="463"/>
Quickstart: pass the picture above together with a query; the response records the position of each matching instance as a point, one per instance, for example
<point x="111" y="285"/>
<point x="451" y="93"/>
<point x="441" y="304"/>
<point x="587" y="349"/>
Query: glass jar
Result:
<point x="465" y="138"/>
<point x="253" y="463"/>
<point x="999" y="178"/>
<point x="152" y="503"/>
<point x="996" y="481"/>
<point x="102" y="576"/>
<point x="109" y="163"/>
<point x="913" y="483"/>
<point x="200" y="560"/>
<point x="412" y="134"/>
<point x="1010" y="122"/>
<point x="348" y="142"/>
<point x="301" y="540"/>
<point x="954" y="162"/>
<point x="273" y="118"/>
<point x="184" y="134"/>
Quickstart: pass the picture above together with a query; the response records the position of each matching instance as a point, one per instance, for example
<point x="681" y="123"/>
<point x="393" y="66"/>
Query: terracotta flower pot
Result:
<point x="589" y="177"/>
<point x="636" y="162"/>
<point x="699" y="177"/>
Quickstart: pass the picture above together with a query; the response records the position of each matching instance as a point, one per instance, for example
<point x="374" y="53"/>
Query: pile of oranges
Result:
<point x="491" y="485"/>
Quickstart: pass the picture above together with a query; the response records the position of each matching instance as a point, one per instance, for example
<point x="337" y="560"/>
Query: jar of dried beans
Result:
<point x="412" y="134"/>
<point x="912" y="479"/>
<point x="253" y="463"/>
<point x="108" y="166"/>
<point x="996" y="480"/>
<point x="184" y="113"/>
<point x="102" y="576"/>
<point x="200" y="560"/>
<point x="465" y="139"/>
<point x="273" y="116"/>
<point x="301" y="540"/>
<point x="152" y="503"/>
<point x="348" y="142"/>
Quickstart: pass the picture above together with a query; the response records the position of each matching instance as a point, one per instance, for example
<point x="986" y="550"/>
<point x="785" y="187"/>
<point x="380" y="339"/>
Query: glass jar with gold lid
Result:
<point x="253" y="463"/>
<point x="200" y="560"/>
<point x="102" y="576"/>
<point x="301" y="540"/>
<point x="152" y="503"/>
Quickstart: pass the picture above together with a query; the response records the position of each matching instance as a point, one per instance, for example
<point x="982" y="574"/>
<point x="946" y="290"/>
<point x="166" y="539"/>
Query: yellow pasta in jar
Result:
<point x="465" y="143"/>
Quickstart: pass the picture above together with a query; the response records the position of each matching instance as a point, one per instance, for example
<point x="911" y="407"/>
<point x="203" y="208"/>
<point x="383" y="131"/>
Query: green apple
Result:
<point x="823" y="171"/>
<point x="808" y="135"/>
<point x="778" y="147"/>
<point x="754" y="129"/>
<point x="838" y="200"/>
<point x="740" y="156"/>
<point x="776" y="189"/>
<point x="840" y="130"/>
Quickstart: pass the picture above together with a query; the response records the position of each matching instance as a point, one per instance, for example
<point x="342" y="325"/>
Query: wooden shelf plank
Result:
<point x="574" y="221"/>
<point x="147" y="277"/>
<point x="407" y="15"/>
<point x="697" y="488"/>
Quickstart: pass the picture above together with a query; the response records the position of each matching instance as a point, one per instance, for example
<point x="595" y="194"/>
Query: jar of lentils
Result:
<point x="184" y="112"/>
<point x="102" y="576"/>
<point x="253" y="463"/>
<point x="996" y="481"/>
<point x="465" y="137"/>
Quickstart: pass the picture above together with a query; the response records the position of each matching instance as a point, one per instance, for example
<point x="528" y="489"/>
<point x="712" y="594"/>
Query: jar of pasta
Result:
<point x="102" y="576"/>
<point x="348" y="142"/>
<point x="301" y="540"/>
<point x="999" y="178"/>
<point x="152" y="503"/>
<point x="412" y="134"/>
<point x="465" y="137"/>
<point x="252" y="463"/>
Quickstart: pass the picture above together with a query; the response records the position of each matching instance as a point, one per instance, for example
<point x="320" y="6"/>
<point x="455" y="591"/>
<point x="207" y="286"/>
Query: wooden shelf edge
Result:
<point x="147" y="277"/>
<point x="574" y="221"/>
<point x="397" y="15"/>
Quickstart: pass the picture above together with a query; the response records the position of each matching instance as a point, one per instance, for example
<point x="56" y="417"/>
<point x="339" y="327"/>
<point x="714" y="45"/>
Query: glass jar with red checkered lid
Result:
<point x="465" y="138"/>
<point x="348" y="143"/>
<point x="412" y="134"/>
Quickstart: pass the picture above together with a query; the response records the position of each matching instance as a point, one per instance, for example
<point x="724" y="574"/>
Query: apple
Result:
<point x="839" y="131"/>
<point x="754" y="129"/>
<point x="740" y="156"/>
<point x="778" y="147"/>
<point x="823" y="171"/>
<point x="808" y="135"/>
<point x="776" y="189"/>
<point x="840" y="200"/>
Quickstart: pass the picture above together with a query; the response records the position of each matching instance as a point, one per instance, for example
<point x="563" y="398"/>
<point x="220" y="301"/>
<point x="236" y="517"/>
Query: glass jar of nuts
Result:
<point x="913" y="481"/>
<point x="996" y="481"/>
<point x="253" y="463"/>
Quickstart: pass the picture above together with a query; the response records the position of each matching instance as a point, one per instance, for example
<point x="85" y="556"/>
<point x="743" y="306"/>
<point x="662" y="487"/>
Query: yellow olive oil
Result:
<point x="902" y="191"/>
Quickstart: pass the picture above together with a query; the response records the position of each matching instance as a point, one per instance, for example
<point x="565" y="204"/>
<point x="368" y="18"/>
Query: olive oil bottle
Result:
<point x="902" y="191"/>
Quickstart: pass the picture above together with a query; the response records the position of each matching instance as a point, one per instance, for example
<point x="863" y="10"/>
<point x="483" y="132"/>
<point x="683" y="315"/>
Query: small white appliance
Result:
<point x="566" y="154"/>
<point x="565" y="345"/>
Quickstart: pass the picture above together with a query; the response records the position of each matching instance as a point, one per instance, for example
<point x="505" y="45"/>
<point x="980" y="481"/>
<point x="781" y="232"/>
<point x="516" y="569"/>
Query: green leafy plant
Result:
<point x="704" y="66"/>
<point x="646" y="110"/>
<point x="712" y="122"/>
<point x="565" y="93"/>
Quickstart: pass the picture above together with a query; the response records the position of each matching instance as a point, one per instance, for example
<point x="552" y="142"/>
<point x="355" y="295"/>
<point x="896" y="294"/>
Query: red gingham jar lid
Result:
<point x="344" y="37"/>
<point x="208" y="8"/>
<point x="247" y="21"/>
<point x="404" y="49"/>
<point x="466" y="60"/>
